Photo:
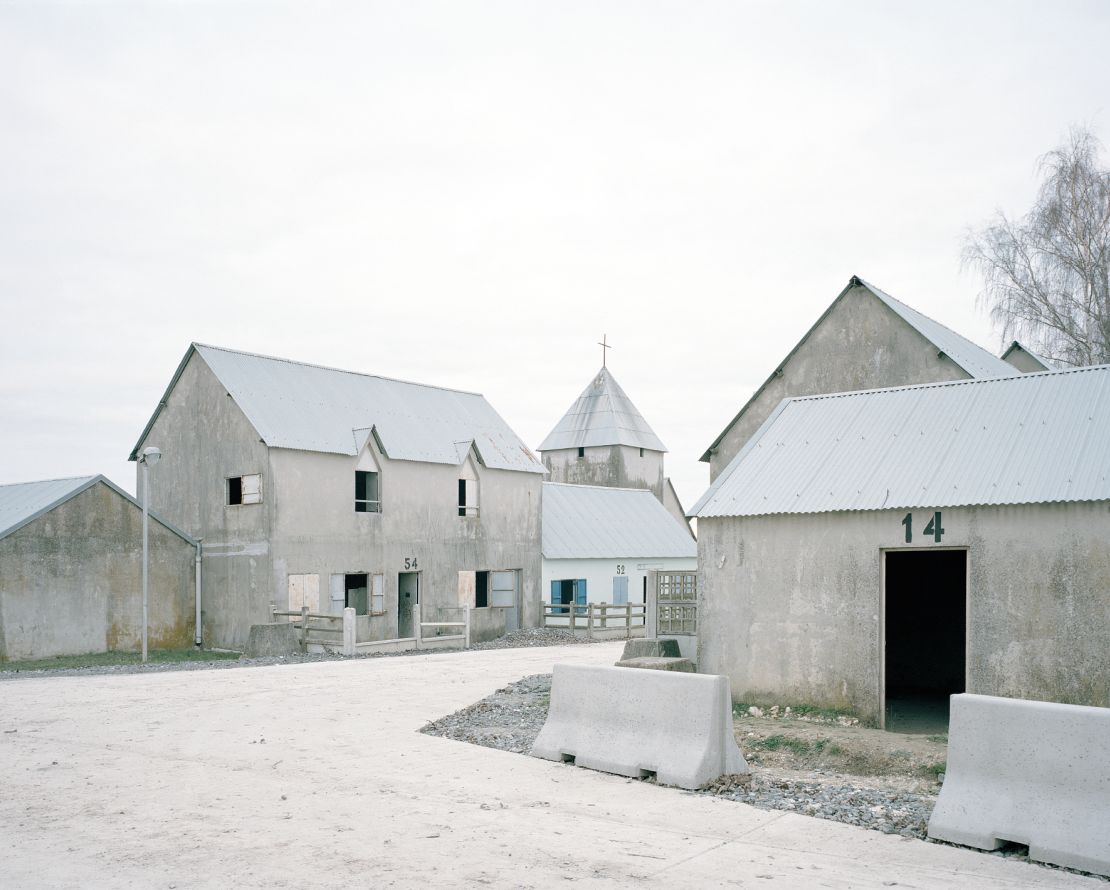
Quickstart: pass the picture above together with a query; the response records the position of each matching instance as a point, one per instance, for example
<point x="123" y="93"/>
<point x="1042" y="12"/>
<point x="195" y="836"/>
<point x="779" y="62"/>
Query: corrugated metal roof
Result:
<point x="602" y="415"/>
<point x="974" y="360"/>
<point x="978" y="362"/>
<point x="595" y="522"/>
<point x="1030" y="438"/>
<point x="312" y="408"/>
<point x="24" y="502"/>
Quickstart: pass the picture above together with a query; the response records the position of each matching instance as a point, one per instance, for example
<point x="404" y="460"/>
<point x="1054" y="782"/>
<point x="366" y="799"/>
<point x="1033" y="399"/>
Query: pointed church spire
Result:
<point x="602" y="415"/>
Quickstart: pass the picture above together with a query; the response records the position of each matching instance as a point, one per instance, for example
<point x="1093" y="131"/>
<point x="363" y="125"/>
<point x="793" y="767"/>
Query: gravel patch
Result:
<point x="512" y="717"/>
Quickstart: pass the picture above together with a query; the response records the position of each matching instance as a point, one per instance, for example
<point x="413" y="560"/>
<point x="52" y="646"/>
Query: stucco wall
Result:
<point x="618" y="466"/>
<point x="861" y="344"/>
<point x="791" y="606"/>
<point x="205" y="438"/>
<point x="306" y="523"/>
<point x="71" y="581"/>
<point x="316" y="530"/>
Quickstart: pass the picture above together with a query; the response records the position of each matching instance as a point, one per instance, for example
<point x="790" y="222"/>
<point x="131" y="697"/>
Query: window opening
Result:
<point x="355" y="589"/>
<point x="367" y="499"/>
<point x="244" y="490"/>
<point x="481" y="590"/>
<point x="566" y="592"/>
<point x="468" y="497"/>
<point x="581" y="453"/>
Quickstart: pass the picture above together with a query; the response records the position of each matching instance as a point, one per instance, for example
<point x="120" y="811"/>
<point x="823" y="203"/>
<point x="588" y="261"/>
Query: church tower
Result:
<point x="604" y="440"/>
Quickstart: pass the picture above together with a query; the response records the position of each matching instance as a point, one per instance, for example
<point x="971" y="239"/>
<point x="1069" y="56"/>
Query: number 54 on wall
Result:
<point x="934" y="528"/>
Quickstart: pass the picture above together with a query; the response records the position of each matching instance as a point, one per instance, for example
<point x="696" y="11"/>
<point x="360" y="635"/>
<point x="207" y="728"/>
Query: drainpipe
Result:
<point x="197" y="634"/>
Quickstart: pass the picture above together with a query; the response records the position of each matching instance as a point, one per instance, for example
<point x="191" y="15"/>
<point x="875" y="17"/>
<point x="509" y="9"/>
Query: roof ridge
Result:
<point x="937" y="384"/>
<point x="44" y="481"/>
<point x="601" y="487"/>
<point x="292" y="361"/>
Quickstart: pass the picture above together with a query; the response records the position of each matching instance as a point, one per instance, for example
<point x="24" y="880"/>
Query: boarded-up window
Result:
<point x="620" y="590"/>
<point x="467" y="585"/>
<point x="244" y="489"/>
<point x="304" y="590"/>
<point x="502" y="589"/>
<point x="377" y="594"/>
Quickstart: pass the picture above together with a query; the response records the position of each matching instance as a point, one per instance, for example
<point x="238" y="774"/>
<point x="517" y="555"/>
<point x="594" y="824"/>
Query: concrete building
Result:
<point x="887" y="548"/>
<point x="604" y="440"/>
<point x="325" y="488"/>
<point x="865" y="339"/>
<point x="599" y="543"/>
<point x="71" y="572"/>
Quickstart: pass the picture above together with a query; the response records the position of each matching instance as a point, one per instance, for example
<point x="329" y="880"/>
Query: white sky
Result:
<point x="471" y="194"/>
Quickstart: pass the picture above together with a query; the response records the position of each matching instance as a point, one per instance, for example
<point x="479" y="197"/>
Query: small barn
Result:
<point x="71" y="571"/>
<point x="600" y="543"/>
<point x="881" y="550"/>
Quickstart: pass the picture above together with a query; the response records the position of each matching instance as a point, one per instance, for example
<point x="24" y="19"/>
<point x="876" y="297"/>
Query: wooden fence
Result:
<point x="590" y="616"/>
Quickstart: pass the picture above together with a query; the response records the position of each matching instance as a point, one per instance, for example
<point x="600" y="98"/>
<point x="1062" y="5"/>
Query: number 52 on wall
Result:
<point x="934" y="528"/>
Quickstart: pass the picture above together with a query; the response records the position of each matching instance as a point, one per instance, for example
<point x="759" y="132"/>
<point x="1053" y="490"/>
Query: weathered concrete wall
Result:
<point x="791" y="606"/>
<point x="205" y="438"/>
<point x="600" y="573"/>
<point x="861" y="344"/>
<point x="71" y="581"/>
<point x="306" y="522"/>
<point x="1024" y="362"/>
<point x="618" y="466"/>
<point x="317" y="531"/>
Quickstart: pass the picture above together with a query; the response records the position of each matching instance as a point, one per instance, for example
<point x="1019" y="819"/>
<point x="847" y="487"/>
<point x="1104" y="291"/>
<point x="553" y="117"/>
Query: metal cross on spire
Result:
<point x="604" y="345"/>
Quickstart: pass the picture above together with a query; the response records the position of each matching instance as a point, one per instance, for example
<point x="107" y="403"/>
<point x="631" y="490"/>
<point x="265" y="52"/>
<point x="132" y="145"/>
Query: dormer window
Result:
<point x="468" y="497"/>
<point x="367" y="498"/>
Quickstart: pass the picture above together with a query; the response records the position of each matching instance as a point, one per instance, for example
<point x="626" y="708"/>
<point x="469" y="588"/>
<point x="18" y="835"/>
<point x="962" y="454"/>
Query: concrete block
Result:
<point x="1028" y="772"/>
<point x="268" y="640"/>
<point x="658" y="664"/>
<point x="650" y="648"/>
<point x="634" y="723"/>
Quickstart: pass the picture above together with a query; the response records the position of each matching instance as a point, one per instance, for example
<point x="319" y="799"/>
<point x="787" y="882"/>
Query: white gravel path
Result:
<point x="315" y="776"/>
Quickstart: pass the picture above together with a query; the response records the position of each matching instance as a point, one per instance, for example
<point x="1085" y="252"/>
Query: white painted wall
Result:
<point x="599" y="574"/>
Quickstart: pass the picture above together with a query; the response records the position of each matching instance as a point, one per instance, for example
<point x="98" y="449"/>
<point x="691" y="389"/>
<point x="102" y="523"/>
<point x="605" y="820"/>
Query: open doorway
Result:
<point x="925" y="636"/>
<point x="408" y="595"/>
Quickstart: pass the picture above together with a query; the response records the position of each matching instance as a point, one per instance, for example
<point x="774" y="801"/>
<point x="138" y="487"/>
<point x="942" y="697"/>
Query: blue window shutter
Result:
<point x="555" y="595"/>
<point x="580" y="591"/>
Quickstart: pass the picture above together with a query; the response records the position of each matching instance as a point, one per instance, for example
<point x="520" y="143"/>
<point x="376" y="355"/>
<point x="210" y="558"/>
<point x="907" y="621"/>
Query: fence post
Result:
<point x="590" y="621"/>
<point x="273" y="617"/>
<point x="417" y="630"/>
<point x="628" y="621"/>
<point x="466" y="619"/>
<point x="573" y="611"/>
<point x="304" y="628"/>
<point x="604" y="615"/>
<point x="348" y="631"/>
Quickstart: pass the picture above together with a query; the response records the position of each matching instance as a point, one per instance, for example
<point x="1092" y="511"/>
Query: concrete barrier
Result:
<point x="650" y="648"/>
<point x="651" y="663"/>
<point x="268" y="640"/>
<point x="1028" y="772"/>
<point x="634" y="723"/>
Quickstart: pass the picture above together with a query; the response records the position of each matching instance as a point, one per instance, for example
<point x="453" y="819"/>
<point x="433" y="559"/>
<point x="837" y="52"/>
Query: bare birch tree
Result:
<point x="1046" y="276"/>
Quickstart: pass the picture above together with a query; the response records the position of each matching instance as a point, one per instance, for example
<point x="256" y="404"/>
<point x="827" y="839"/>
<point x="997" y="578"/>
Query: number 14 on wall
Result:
<point x="934" y="528"/>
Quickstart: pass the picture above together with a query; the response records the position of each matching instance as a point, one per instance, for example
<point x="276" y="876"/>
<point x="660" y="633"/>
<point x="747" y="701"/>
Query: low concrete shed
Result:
<point x="879" y="548"/>
<point x="71" y="571"/>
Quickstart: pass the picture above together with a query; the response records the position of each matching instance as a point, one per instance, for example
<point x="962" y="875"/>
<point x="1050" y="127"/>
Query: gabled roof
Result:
<point x="602" y="415"/>
<point x="1017" y="346"/>
<point x="596" y="522"/>
<point x="1025" y="439"/>
<point x="24" y="502"/>
<point x="977" y="362"/>
<point x="311" y="408"/>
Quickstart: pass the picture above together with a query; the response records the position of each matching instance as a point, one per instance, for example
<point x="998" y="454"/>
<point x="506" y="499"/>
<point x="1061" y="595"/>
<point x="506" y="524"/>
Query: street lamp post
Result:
<point x="149" y="457"/>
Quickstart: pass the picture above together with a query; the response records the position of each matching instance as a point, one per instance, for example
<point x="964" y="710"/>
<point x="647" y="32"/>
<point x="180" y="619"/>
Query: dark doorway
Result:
<point x="926" y="635"/>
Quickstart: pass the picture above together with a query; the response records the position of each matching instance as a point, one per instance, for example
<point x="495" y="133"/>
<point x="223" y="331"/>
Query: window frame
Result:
<point x="466" y="508"/>
<point x="228" y="502"/>
<point x="371" y="504"/>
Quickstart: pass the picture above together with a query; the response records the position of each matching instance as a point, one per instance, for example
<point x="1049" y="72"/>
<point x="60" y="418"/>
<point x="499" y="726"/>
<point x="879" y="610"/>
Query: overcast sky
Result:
<point x="471" y="194"/>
